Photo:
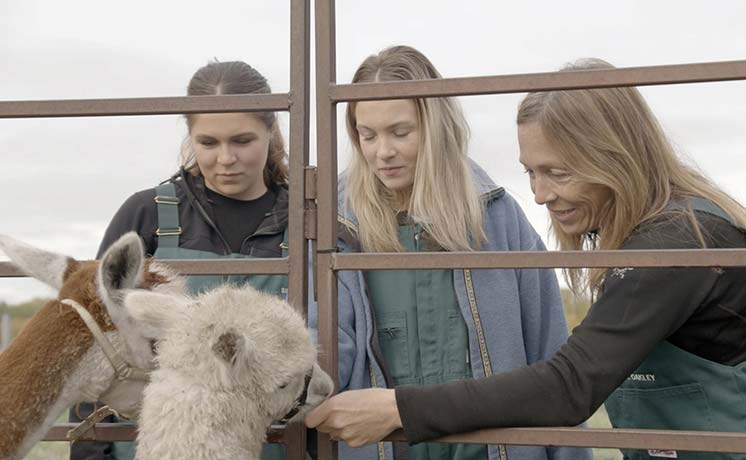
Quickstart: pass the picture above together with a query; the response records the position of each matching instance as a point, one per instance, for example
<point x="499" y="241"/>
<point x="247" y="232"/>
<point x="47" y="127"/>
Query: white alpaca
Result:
<point x="230" y="362"/>
<point x="55" y="363"/>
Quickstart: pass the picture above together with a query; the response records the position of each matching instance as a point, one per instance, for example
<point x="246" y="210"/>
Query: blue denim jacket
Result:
<point x="514" y="317"/>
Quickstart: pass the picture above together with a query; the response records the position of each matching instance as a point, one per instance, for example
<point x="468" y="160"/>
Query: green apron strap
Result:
<point x="284" y="245"/>
<point x="705" y="205"/>
<point x="168" y="216"/>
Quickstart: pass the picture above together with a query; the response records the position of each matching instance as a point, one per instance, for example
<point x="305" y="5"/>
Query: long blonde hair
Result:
<point x="444" y="199"/>
<point x="610" y="138"/>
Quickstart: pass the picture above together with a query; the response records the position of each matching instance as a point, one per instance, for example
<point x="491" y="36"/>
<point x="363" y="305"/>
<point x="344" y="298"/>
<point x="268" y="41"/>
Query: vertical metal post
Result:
<point x="326" y="145"/>
<point x="300" y="44"/>
<point x="299" y="83"/>
<point x="5" y="330"/>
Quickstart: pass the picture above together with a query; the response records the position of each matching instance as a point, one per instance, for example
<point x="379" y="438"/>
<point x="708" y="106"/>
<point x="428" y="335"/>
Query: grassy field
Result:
<point x="50" y="450"/>
<point x="575" y="310"/>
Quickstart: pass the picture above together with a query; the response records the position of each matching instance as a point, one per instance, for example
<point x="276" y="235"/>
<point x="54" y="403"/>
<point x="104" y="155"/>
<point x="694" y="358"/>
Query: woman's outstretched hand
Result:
<point x="357" y="417"/>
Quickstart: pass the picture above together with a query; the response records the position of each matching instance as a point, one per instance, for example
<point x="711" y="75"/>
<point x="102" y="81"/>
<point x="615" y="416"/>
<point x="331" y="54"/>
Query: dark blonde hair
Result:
<point x="610" y="138"/>
<point x="444" y="199"/>
<point x="237" y="77"/>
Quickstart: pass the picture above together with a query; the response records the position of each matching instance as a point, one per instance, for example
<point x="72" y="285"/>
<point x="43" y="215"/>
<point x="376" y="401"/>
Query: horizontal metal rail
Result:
<point x="457" y="260"/>
<point x="545" y="81"/>
<point x="145" y="106"/>
<point x="268" y="266"/>
<point x="541" y="259"/>
<point x="701" y="441"/>
<point x="127" y="432"/>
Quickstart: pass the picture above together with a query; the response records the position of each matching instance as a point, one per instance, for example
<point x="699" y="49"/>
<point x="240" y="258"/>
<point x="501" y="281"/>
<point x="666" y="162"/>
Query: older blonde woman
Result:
<point x="663" y="347"/>
<point x="411" y="187"/>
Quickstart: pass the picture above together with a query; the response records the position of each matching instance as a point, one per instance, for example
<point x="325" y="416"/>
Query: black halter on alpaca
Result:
<point x="300" y="401"/>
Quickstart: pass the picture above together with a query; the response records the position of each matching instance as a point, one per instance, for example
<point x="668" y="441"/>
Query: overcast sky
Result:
<point x="63" y="179"/>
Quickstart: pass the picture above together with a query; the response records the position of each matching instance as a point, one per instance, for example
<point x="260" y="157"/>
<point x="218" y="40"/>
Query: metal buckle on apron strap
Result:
<point x="168" y="231"/>
<point x="166" y="200"/>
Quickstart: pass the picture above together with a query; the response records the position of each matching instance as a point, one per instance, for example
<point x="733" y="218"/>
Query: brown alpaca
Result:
<point x="55" y="362"/>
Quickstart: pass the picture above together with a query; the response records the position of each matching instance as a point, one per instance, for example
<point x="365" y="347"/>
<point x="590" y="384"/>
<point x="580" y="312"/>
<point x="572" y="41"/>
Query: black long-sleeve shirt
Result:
<point x="701" y="310"/>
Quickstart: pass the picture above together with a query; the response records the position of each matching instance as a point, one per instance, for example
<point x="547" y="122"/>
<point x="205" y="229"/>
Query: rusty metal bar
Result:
<point x="9" y="270"/>
<point x="128" y="432"/>
<point x="145" y="106"/>
<point x="311" y="173"/>
<point x="100" y="432"/>
<point x="545" y="81"/>
<point x="300" y="45"/>
<point x="299" y="115"/>
<point x="326" y="148"/>
<point x="426" y="261"/>
<point x="702" y="441"/>
<point x="272" y="266"/>
<point x="310" y="205"/>
<point x="542" y="259"/>
<point x="294" y="438"/>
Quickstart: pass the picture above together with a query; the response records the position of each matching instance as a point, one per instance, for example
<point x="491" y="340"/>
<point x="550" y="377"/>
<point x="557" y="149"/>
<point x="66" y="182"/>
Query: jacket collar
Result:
<point x="486" y="187"/>
<point x="275" y="221"/>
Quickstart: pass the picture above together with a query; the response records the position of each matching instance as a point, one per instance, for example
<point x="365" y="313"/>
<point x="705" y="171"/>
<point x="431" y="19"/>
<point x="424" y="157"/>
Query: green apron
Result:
<point x="168" y="248"/>
<point x="422" y="335"/>
<point x="676" y="390"/>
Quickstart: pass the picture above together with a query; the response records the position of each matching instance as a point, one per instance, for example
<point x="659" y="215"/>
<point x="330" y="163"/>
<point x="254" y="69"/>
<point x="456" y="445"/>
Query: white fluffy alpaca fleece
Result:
<point x="230" y="362"/>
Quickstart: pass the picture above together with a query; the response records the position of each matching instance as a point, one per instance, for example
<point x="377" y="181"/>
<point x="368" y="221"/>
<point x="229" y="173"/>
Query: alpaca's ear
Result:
<point x="227" y="346"/>
<point x="121" y="268"/>
<point x="154" y="311"/>
<point x="48" y="267"/>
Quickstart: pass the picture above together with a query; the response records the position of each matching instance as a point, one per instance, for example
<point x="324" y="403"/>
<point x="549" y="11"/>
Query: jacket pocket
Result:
<point x="392" y="336"/>
<point x="680" y="407"/>
<point x="457" y="361"/>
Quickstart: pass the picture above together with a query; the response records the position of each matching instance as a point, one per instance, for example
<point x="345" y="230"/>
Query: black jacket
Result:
<point x="700" y="310"/>
<point x="197" y="220"/>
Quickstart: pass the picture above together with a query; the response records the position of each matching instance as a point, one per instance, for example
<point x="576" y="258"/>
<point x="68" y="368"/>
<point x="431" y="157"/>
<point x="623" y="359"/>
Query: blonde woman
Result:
<point x="410" y="187"/>
<point x="663" y="347"/>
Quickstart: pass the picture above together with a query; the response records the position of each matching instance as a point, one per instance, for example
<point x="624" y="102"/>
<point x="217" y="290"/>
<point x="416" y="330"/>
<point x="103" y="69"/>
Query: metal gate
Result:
<point x="313" y="213"/>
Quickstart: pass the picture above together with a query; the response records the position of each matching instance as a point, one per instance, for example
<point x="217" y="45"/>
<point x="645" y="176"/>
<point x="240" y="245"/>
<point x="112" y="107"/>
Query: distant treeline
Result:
<point x="20" y="313"/>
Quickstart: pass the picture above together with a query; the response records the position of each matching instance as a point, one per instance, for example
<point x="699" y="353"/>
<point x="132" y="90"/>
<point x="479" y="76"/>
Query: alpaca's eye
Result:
<point x="284" y="385"/>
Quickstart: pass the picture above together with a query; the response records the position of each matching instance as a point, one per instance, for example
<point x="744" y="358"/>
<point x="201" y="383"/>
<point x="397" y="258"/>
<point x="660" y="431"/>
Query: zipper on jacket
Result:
<point x="266" y="230"/>
<point x="202" y="211"/>
<point x="198" y="206"/>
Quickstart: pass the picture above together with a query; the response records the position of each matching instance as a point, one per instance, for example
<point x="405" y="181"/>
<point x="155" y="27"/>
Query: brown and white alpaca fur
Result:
<point x="230" y="361"/>
<point x="54" y="362"/>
